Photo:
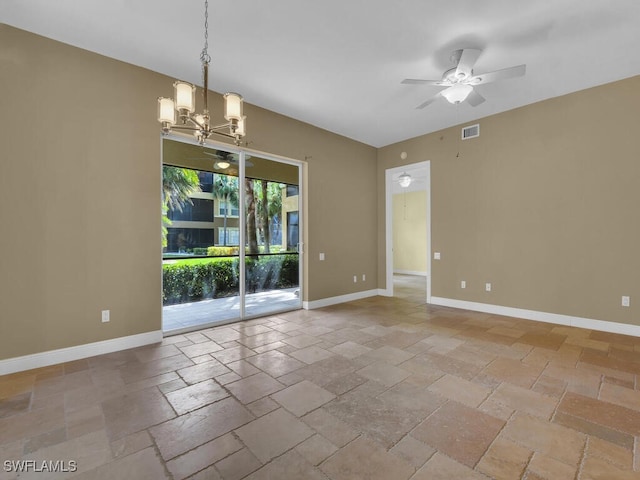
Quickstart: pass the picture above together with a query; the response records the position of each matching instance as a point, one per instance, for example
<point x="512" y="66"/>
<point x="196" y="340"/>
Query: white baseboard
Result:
<point x="556" y="318"/>
<point x="410" y="272"/>
<point x="69" y="354"/>
<point x="326" y="302"/>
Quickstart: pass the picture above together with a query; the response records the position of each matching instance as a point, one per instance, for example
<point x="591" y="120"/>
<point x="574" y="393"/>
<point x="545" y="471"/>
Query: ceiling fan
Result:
<point x="460" y="80"/>
<point x="224" y="160"/>
<point x="405" y="179"/>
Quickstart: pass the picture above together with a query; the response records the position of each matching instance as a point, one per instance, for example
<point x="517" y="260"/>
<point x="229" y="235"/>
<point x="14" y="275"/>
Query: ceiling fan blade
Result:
<point x="468" y="59"/>
<point x="511" y="72"/>
<point x="475" y="98"/>
<point x="417" y="81"/>
<point x="428" y="102"/>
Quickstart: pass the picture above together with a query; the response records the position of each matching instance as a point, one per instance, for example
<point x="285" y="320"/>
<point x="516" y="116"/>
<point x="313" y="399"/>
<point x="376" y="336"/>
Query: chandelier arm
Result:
<point x="228" y="125"/>
<point x="207" y="132"/>
<point x="231" y="126"/>
<point x="185" y="127"/>
<point x="199" y="126"/>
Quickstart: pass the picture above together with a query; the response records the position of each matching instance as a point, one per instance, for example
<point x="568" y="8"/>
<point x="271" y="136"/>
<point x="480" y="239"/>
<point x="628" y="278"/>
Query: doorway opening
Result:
<point x="408" y="230"/>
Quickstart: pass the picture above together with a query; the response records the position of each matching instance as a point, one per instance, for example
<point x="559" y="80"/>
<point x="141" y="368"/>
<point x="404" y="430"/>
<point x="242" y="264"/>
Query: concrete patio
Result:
<point x="187" y="316"/>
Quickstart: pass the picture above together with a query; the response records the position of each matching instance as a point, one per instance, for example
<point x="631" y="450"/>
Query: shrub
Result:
<point x="219" y="277"/>
<point x="222" y="251"/>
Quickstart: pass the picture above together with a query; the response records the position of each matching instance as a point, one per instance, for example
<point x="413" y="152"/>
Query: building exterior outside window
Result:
<point x="207" y="220"/>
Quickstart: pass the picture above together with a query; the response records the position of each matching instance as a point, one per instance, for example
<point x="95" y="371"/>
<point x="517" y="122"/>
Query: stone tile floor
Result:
<point x="381" y="388"/>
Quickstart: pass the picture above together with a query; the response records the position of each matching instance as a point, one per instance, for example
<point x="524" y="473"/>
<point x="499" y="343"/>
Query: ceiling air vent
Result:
<point x="471" y="131"/>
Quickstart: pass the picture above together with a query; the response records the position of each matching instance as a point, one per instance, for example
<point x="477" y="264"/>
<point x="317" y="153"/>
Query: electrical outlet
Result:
<point x="364" y="277"/>
<point x="463" y="284"/>
<point x="626" y="301"/>
<point x="105" y="316"/>
<point x="487" y="287"/>
<point x="355" y="279"/>
<point x="436" y="255"/>
<point x="322" y="257"/>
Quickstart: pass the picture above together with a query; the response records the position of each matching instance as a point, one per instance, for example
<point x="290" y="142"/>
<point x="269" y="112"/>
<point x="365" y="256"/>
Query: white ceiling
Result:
<point x="338" y="64"/>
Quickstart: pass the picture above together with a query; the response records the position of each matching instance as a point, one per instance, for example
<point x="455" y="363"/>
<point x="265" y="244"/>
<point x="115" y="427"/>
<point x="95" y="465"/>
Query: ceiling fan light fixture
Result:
<point x="457" y="93"/>
<point x="405" y="180"/>
<point x="222" y="165"/>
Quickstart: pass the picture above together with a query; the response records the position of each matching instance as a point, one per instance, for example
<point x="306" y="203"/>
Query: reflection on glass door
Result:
<point x="203" y="281"/>
<point x="201" y="236"/>
<point x="272" y="260"/>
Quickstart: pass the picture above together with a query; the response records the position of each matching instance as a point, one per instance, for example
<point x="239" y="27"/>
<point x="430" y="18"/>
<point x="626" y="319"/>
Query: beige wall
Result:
<point x="80" y="196"/>
<point x="544" y="205"/>
<point x="410" y="232"/>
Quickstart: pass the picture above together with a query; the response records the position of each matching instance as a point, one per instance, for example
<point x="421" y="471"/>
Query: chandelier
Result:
<point x="179" y="114"/>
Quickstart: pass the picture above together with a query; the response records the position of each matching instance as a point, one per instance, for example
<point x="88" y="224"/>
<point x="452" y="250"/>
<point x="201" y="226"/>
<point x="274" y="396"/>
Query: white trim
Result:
<point x="69" y="354"/>
<point x="411" y="272"/>
<point x="242" y="193"/>
<point x="243" y="152"/>
<point x="556" y="318"/>
<point x="326" y="302"/>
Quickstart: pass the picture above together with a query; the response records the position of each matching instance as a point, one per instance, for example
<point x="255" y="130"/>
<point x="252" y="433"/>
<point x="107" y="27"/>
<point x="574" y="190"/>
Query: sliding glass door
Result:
<point x="272" y="220"/>
<point x="230" y="235"/>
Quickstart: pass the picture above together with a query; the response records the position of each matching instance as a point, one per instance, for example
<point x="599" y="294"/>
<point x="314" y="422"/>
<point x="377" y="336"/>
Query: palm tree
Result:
<point x="178" y="184"/>
<point x="275" y="207"/>
<point x="252" y="234"/>
<point x="225" y="188"/>
<point x="264" y="216"/>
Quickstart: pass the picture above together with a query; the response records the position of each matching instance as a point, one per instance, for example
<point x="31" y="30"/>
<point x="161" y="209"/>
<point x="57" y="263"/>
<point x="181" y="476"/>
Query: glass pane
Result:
<point x="272" y="205"/>
<point x="201" y="264"/>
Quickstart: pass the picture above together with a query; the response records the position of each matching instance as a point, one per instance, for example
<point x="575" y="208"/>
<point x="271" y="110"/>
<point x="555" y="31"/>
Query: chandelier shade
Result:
<point x="232" y="106"/>
<point x="166" y="111"/>
<point x="185" y="95"/>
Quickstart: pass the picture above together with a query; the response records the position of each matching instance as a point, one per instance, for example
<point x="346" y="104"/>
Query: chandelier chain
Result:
<point x="204" y="56"/>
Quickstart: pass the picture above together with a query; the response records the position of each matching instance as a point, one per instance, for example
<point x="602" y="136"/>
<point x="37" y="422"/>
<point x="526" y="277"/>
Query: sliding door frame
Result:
<point x="243" y="153"/>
